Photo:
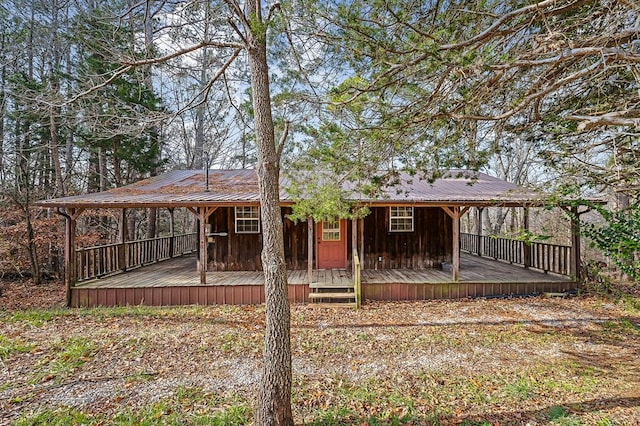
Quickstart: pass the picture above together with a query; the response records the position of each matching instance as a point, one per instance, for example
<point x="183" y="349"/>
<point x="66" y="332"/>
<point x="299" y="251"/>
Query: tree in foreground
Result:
<point x="274" y="400"/>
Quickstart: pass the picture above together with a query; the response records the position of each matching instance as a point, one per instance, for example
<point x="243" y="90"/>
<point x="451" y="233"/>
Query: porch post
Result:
<point x="172" y="232"/>
<point x="575" y="264"/>
<point x="70" y="272"/>
<point x="309" y="249"/>
<point x="122" y="240"/>
<point x="203" y="244"/>
<point x="526" y="248"/>
<point x="479" y="244"/>
<point x="354" y="242"/>
<point x="203" y="217"/>
<point x="361" y="238"/>
<point x="456" y="242"/>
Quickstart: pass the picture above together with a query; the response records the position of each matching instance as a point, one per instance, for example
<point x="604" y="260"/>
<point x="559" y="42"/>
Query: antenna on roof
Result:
<point x="207" y="160"/>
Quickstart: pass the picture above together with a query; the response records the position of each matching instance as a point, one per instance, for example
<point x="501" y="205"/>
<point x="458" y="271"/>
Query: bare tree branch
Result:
<point x="275" y="6"/>
<point x="182" y="52"/>
<point x="491" y="30"/>
<point x="203" y="99"/>
<point x="534" y="96"/>
<point x="116" y="74"/>
<point x="281" y="142"/>
<point x="589" y="122"/>
<point x="607" y="53"/>
<point x="237" y="11"/>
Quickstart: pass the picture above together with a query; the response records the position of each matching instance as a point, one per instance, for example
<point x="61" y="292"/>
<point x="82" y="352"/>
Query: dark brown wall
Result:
<point x="426" y="247"/>
<point x="241" y="252"/>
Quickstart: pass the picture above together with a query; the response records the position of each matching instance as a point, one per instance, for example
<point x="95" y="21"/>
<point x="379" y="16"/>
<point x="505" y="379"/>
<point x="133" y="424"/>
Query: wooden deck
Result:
<point x="472" y="269"/>
<point x="181" y="272"/>
<point x="176" y="282"/>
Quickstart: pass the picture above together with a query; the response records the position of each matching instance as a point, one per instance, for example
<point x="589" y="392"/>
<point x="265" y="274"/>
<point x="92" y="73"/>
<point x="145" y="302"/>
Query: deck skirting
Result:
<point x="461" y="290"/>
<point x="253" y="294"/>
<point x="250" y="294"/>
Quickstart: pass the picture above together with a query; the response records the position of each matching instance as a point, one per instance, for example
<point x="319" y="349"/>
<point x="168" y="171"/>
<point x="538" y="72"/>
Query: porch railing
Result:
<point x="554" y="258"/>
<point x="98" y="261"/>
<point x="357" y="284"/>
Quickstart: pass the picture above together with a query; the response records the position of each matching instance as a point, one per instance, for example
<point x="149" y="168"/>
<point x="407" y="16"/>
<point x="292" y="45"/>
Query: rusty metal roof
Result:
<point x="186" y="188"/>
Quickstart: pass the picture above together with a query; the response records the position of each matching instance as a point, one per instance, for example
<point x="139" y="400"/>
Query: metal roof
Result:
<point x="186" y="188"/>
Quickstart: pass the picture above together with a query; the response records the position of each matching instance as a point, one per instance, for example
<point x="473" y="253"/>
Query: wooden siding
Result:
<point x="428" y="245"/>
<point x="241" y="252"/>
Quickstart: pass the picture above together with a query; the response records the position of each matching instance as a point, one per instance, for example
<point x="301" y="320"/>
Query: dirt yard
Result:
<point x="478" y="362"/>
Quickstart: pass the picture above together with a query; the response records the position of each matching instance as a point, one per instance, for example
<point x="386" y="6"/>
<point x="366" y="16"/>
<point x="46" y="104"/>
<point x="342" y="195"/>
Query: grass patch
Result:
<point x="622" y="328"/>
<point x="560" y="416"/>
<point x="40" y="317"/>
<point x="335" y="402"/>
<point x="35" y="318"/>
<point x="188" y="406"/>
<point x="520" y="390"/>
<point x="604" y="421"/>
<point x="139" y="378"/>
<point x="631" y="304"/>
<point x="68" y="355"/>
<point x="166" y="413"/>
<point x="58" y="417"/>
<point x="9" y="346"/>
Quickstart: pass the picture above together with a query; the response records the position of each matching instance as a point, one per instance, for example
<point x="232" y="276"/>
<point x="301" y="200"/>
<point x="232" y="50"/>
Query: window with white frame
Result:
<point x="400" y="219"/>
<point x="247" y="220"/>
<point x="331" y="230"/>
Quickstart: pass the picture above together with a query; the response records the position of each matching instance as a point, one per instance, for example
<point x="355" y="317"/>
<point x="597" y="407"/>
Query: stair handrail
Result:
<point x="356" y="278"/>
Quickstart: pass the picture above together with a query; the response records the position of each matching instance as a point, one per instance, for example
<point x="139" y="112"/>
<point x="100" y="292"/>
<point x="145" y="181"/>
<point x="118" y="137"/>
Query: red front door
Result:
<point x="331" y="244"/>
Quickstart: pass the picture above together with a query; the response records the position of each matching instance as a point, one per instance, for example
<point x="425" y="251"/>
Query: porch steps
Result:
<point x="331" y="285"/>
<point x="332" y="294"/>
<point x="332" y="305"/>
<point x="344" y="295"/>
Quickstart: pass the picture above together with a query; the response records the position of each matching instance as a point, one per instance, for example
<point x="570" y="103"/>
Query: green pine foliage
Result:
<point x="618" y="238"/>
<point x="123" y="115"/>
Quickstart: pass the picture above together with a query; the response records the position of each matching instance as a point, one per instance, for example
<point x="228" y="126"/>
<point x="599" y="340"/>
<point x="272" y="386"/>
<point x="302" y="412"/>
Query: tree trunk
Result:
<point x="3" y="73"/>
<point x="131" y="225"/>
<point x="93" y="172"/>
<point x="274" y="399"/>
<point x="152" y="219"/>
<point x="102" y="170"/>
<point x="55" y="154"/>
<point x="152" y="213"/>
<point x="198" y="149"/>
<point x="54" y="112"/>
<point x="32" y="249"/>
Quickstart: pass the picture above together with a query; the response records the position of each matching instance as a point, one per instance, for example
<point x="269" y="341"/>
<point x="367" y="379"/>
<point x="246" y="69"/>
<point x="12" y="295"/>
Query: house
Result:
<point x="412" y="226"/>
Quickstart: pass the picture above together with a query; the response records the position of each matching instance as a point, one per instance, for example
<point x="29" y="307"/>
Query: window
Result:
<point x="331" y="230"/>
<point x="247" y="220"/>
<point x="400" y="219"/>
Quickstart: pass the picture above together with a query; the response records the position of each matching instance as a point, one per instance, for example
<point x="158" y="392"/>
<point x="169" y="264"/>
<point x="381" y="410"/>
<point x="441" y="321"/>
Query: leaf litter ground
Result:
<point x="519" y="361"/>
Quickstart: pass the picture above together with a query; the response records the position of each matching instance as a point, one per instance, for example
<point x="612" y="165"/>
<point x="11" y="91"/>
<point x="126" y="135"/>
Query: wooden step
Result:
<point x="333" y="305"/>
<point x="332" y="295"/>
<point x="331" y="285"/>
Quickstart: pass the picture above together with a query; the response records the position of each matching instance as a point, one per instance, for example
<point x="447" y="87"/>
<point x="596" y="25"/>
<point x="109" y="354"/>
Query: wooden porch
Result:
<point x="177" y="282"/>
